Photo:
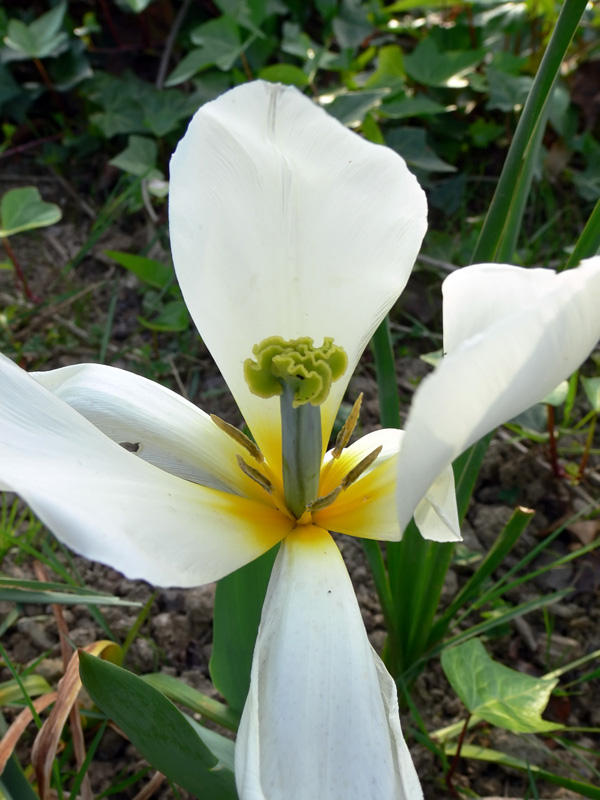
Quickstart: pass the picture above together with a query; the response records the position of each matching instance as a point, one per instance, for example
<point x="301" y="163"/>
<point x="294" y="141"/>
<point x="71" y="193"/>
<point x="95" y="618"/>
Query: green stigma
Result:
<point x="307" y="370"/>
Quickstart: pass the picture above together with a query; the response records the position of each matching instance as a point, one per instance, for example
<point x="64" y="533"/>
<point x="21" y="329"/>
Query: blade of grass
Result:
<point x="588" y="243"/>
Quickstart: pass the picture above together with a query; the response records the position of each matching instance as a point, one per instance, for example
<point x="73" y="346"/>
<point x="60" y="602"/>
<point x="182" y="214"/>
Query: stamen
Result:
<point x="347" y="428"/>
<point x="238" y="437"/>
<point x="362" y="465"/>
<point x="255" y="475"/>
<point x="325" y="500"/>
<point x="350" y="478"/>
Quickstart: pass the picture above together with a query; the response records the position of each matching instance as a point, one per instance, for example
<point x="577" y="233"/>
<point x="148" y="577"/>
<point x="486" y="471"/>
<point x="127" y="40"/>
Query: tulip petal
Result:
<point x="113" y="507"/>
<point x="159" y="425"/>
<point x="283" y="222"/>
<point x="321" y="718"/>
<point x="367" y="508"/>
<point x="530" y="330"/>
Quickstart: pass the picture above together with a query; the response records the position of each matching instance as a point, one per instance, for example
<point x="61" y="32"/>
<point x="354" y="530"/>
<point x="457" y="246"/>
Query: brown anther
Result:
<point x="362" y="465"/>
<point x="347" y="428"/>
<point x="255" y="475"/>
<point x="326" y="500"/>
<point x="238" y="437"/>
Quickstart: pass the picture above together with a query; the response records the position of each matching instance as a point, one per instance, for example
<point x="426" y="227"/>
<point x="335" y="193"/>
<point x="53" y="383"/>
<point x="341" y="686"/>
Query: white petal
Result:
<point x="112" y="506"/>
<point x="283" y="222"/>
<point x="166" y="430"/>
<point x="321" y="718"/>
<point x="533" y="329"/>
<point x="367" y="508"/>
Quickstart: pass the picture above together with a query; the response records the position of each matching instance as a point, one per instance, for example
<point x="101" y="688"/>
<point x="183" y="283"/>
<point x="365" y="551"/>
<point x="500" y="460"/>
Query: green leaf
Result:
<point x="417" y="106"/>
<point x="351" y="24"/>
<point x="390" y="68"/>
<point x="161" y="733"/>
<point x="173" y="318"/>
<point x="497" y="757"/>
<point x="412" y="145"/>
<point x="138" y="158"/>
<point x="507" y="92"/>
<point x="495" y="693"/>
<point x="34" y="685"/>
<point x="219" y="40"/>
<point x="352" y="107"/>
<point x="23" y="210"/>
<point x="284" y="73"/>
<point x="40" y="39"/>
<point x="185" y="695"/>
<point x="428" y="65"/>
<point x="152" y="272"/>
<point x="13" y="783"/>
<point x="591" y="387"/>
<point x="238" y="605"/>
<point x="558" y="395"/>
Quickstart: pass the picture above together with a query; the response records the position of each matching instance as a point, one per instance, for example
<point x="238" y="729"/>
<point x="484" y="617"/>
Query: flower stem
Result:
<point x="19" y="271"/>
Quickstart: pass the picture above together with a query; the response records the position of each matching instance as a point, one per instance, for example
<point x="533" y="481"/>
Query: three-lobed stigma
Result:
<point x="307" y="370"/>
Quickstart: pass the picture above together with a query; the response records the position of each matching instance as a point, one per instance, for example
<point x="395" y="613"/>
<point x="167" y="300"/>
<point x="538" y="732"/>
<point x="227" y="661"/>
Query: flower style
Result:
<point x="288" y="228"/>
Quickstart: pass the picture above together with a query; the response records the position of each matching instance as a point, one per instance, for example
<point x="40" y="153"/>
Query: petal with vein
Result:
<point x="367" y="508"/>
<point x="113" y="507"/>
<point x="535" y="329"/>
<point x="284" y="222"/>
<point x="159" y="425"/>
<point x="321" y="718"/>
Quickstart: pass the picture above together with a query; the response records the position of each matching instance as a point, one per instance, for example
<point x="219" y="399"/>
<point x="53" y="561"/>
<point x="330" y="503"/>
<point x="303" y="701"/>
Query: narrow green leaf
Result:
<point x="496" y="693"/>
<point x="496" y="757"/>
<point x="588" y="243"/>
<point x="521" y="150"/>
<point x="187" y="696"/>
<point x="11" y="692"/>
<point x="161" y="733"/>
<point x="503" y="544"/>
<point x="13" y="783"/>
<point x="62" y="598"/>
<point x="238" y="605"/>
<point x="23" y="210"/>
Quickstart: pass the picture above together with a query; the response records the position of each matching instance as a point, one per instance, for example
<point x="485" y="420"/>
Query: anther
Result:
<point x="238" y="437"/>
<point x="362" y="465"/>
<point x="255" y="475"/>
<point x="347" y="428"/>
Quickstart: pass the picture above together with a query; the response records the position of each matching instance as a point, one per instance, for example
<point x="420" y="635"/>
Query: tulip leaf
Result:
<point x="493" y="692"/>
<point x="238" y="605"/>
<point x="170" y="741"/>
<point x="24" y="210"/>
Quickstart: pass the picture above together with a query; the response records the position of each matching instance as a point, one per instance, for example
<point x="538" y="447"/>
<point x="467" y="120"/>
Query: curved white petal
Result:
<point x="532" y="329"/>
<point x="113" y="507"/>
<point x="367" y="508"/>
<point x="321" y="718"/>
<point x="159" y="425"/>
<point x="284" y="222"/>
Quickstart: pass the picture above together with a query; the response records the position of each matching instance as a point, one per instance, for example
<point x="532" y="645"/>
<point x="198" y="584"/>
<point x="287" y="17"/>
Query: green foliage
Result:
<point x="24" y="210"/>
<point x="195" y="758"/>
<point x="43" y="38"/>
<point x="495" y="693"/>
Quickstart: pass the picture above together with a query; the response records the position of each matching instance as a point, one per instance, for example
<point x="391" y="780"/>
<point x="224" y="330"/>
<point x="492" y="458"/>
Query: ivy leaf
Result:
<point x="40" y="39"/>
<point x="23" y="210"/>
<point x="429" y="65"/>
<point x="495" y="693"/>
